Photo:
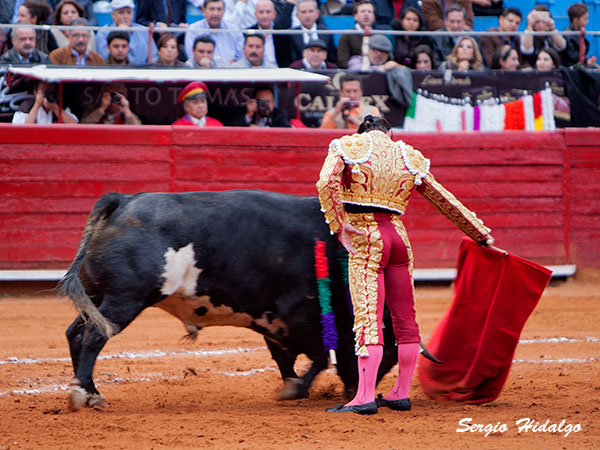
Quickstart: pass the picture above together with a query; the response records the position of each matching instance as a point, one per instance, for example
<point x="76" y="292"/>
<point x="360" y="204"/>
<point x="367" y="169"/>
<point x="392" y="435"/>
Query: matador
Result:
<point x="364" y="188"/>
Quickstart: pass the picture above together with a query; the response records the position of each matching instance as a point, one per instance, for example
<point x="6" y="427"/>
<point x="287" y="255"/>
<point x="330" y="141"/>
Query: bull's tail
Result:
<point x="70" y="285"/>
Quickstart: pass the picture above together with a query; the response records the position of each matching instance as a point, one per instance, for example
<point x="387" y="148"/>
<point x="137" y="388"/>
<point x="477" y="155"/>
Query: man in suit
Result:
<point x="267" y="18"/>
<point x="352" y="44"/>
<point x="24" y="51"/>
<point x="307" y="12"/>
<point x="164" y="13"/>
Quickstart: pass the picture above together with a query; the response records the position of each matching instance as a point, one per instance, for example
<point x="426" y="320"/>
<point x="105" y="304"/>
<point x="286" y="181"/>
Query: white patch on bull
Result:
<point x="181" y="273"/>
<point x="275" y="327"/>
<point x="185" y="310"/>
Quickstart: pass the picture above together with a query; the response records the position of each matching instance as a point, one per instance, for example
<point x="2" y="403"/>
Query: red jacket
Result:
<point x="185" y="120"/>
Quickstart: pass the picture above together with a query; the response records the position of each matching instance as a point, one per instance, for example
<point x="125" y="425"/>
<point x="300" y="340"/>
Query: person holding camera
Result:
<point x="261" y="111"/>
<point x="349" y="111"/>
<point x="113" y="108"/>
<point x="540" y="19"/>
<point x="44" y="110"/>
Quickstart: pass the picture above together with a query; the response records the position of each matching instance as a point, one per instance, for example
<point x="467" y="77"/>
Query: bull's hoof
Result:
<point x="97" y="400"/>
<point x="78" y="398"/>
<point x="292" y="390"/>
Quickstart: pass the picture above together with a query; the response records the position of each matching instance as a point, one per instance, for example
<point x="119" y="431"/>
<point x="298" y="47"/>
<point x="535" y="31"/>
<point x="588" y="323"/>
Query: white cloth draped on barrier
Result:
<point x="433" y="112"/>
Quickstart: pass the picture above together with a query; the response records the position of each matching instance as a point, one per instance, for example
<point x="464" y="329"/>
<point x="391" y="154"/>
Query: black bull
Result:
<point x="243" y="258"/>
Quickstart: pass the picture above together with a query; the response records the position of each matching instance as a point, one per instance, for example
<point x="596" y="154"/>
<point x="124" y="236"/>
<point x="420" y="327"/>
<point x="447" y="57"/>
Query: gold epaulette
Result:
<point x="355" y="149"/>
<point x="414" y="161"/>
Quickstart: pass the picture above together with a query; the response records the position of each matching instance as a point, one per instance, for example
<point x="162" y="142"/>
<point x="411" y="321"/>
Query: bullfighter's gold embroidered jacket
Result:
<point x="370" y="169"/>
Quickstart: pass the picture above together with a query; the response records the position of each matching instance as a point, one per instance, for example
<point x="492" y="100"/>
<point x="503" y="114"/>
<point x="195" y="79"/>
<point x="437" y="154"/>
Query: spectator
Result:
<point x="228" y="46"/>
<point x="66" y="11"/>
<point x="164" y="13"/>
<point x="122" y="16"/>
<point x="307" y="12"/>
<point x="24" y="51"/>
<point x="505" y="58"/>
<point x="277" y="46"/>
<point x="113" y="109"/>
<point x="465" y="56"/>
<point x="86" y="5"/>
<point x="76" y="53"/>
<point x="508" y="21"/>
<point x="487" y="7"/>
<point x="118" y="48"/>
<point x="422" y="58"/>
<point x="314" y="57"/>
<point x="37" y="12"/>
<point x="378" y="58"/>
<point x="436" y="13"/>
<point x="240" y="12"/>
<point x="411" y="19"/>
<point x="540" y="19"/>
<point x="547" y="59"/>
<point x="44" y="109"/>
<point x="195" y="105"/>
<point x="349" y="111"/>
<point x="254" y="50"/>
<point x="168" y="51"/>
<point x="455" y="21"/>
<point x="353" y="44"/>
<point x="261" y="111"/>
<point x="203" y="54"/>
<point x="578" y="17"/>
<point x="386" y="10"/>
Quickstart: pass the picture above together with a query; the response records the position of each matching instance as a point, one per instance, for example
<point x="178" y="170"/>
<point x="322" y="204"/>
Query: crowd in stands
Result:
<point x="202" y="44"/>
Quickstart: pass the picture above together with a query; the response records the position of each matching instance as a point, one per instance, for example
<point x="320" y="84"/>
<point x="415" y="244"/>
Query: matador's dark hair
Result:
<point x="371" y="123"/>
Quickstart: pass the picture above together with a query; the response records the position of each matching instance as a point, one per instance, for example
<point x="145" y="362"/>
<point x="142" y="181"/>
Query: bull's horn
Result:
<point x="427" y="354"/>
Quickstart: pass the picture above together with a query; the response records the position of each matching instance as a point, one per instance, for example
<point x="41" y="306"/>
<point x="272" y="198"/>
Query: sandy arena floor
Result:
<point x="220" y="391"/>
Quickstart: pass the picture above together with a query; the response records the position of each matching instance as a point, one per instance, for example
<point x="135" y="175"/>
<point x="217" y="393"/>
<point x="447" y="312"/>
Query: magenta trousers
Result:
<point x="381" y="271"/>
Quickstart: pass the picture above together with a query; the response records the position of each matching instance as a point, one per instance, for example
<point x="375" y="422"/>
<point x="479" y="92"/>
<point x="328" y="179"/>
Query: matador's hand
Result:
<point x="345" y="237"/>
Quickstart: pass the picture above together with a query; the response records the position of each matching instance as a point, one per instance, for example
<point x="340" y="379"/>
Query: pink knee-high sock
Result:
<point x="367" y="375"/>
<point x="407" y="360"/>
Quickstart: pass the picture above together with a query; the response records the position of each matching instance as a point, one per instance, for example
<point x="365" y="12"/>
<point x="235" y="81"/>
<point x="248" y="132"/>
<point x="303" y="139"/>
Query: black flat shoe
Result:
<point x="397" y="405"/>
<point x="367" y="408"/>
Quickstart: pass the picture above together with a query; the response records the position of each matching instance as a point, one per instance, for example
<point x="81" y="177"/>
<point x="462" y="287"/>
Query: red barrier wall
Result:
<point x="537" y="191"/>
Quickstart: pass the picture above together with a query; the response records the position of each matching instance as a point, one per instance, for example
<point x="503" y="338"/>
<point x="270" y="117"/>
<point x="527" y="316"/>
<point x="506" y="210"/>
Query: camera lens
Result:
<point x="114" y="98"/>
<point x="51" y="96"/>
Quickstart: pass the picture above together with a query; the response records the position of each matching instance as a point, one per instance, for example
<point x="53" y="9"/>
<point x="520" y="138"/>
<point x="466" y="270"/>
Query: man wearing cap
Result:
<point x="378" y="58"/>
<point x="122" y="15"/>
<point x="254" y="50"/>
<point x="113" y="108"/>
<point x="76" y="53"/>
<point x="314" y="57"/>
<point x="193" y="99"/>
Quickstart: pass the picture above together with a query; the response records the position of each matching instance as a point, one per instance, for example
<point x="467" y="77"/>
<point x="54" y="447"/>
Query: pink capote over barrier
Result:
<point x="476" y="339"/>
